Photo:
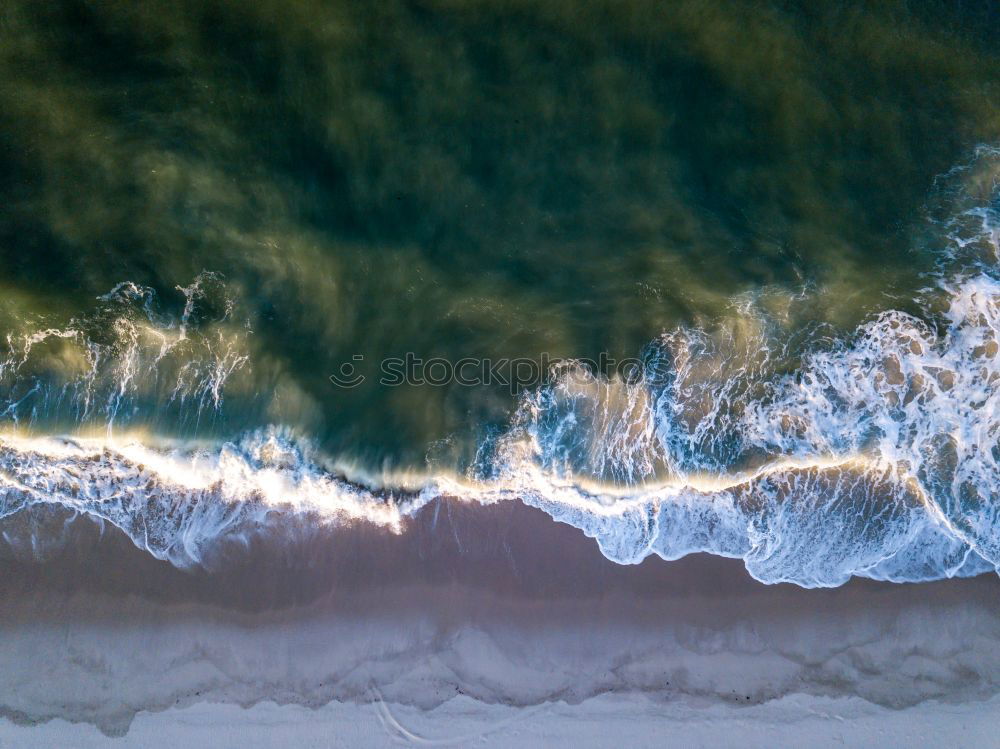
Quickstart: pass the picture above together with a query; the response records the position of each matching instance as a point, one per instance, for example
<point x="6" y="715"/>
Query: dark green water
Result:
<point x="467" y="179"/>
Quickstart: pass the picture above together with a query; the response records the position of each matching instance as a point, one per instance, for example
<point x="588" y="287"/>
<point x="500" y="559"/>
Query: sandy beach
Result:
<point x="566" y="373"/>
<point x="528" y="636"/>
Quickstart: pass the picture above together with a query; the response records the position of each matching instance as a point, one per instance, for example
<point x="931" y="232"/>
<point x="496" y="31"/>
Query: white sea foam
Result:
<point x="99" y="367"/>
<point x="879" y="456"/>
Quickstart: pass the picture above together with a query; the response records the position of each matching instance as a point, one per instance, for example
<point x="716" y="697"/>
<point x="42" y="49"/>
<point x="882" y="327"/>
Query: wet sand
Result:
<point x="485" y="613"/>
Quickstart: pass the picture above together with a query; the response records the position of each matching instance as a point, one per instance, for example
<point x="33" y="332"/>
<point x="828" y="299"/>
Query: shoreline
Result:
<point x="531" y="615"/>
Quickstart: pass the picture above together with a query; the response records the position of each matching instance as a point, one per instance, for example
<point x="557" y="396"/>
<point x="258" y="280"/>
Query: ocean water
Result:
<point x="221" y="221"/>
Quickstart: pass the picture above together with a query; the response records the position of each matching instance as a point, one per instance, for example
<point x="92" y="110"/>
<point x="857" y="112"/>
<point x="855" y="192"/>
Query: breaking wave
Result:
<point x="875" y="456"/>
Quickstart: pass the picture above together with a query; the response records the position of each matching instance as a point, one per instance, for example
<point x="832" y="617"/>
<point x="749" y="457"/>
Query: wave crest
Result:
<point x="878" y="456"/>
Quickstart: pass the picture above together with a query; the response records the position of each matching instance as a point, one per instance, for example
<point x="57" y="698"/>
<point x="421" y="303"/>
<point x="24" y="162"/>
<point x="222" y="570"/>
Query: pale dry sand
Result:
<point x="491" y="624"/>
<point x="606" y="721"/>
